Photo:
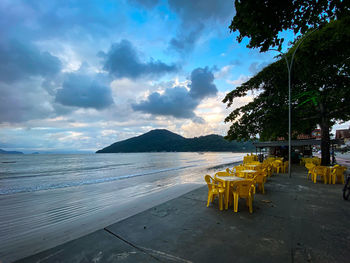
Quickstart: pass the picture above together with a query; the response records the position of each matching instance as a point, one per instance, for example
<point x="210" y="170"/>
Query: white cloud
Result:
<point x="241" y="79"/>
<point x="223" y="72"/>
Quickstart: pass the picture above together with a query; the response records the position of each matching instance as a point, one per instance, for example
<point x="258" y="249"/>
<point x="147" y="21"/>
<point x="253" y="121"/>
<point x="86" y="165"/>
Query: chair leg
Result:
<point x="209" y="198"/>
<point x="235" y="203"/>
<point x="220" y="202"/>
<point x="250" y="205"/>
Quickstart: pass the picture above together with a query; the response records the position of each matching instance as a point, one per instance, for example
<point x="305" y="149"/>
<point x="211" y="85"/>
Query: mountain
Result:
<point x="166" y="141"/>
<point x="9" y="152"/>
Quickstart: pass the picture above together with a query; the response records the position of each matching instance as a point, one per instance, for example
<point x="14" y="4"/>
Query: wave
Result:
<point x="29" y="174"/>
<point x="42" y="187"/>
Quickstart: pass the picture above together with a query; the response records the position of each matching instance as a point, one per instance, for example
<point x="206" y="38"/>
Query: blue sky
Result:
<point x="80" y="75"/>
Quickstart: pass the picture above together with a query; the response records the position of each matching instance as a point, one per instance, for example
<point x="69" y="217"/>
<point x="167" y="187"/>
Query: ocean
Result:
<point x="47" y="200"/>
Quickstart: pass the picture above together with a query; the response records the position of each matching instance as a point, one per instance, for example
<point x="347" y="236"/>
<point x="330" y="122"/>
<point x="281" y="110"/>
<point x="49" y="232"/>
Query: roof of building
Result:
<point x="293" y="143"/>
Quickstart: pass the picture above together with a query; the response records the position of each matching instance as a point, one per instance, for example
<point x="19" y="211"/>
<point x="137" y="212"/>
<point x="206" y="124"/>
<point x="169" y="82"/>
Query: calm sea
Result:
<point x="30" y="173"/>
<point x="47" y="200"/>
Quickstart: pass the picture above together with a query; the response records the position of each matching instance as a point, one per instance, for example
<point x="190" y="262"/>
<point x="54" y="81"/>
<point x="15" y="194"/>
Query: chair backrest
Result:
<point x="244" y="187"/>
<point x="309" y="166"/>
<point x="222" y="173"/>
<point x="277" y="163"/>
<point x="239" y="168"/>
<point x="338" y="170"/>
<point x="260" y="176"/>
<point x="322" y="170"/>
<point x="210" y="181"/>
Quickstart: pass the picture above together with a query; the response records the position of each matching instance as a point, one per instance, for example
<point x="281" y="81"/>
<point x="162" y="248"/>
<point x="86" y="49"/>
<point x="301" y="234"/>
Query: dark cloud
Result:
<point x="174" y="102"/>
<point x="202" y="84"/>
<point x="80" y="90"/>
<point x="22" y="101"/>
<point x="185" y="40"/>
<point x="122" y="60"/>
<point x="69" y="19"/>
<point x="22" y="60"/>
<point x="180" y="102"/>
<point x="202" y="10"/>
<point x="195" y="16"/>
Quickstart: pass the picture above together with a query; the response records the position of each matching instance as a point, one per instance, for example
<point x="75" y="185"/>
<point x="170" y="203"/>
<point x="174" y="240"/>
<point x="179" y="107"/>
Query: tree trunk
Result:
<point x="325" y="138"/>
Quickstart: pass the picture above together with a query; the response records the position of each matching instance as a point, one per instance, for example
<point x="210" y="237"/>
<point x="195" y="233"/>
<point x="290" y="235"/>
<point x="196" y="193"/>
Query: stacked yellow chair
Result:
<point x="214" y="189"/>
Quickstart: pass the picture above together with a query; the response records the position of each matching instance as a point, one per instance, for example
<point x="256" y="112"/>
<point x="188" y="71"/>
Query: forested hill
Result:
<point x="166" y="141"/>
<point x="9" y="152"/>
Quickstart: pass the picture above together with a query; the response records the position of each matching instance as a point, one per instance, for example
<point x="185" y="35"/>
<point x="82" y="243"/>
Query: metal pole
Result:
<point x="289" y="67"/>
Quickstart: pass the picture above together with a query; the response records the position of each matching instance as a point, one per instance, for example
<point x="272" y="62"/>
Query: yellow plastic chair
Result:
<point x="268" y="168"/>
<point x="214" y="189"/>
<point x="222" y="173"/>
<point x="244" y="189"/>
<point x="231" y="172"/>
<point x="316" y="161"/>
<point x="320" y="171"/>
<point x="260" y="180"/>
<point x="337" y="174"/>
<point x="277" y="165"/>
<point x="310" y="167"/>
<point x="238" y="171"/>
<point x="285" y="167"/>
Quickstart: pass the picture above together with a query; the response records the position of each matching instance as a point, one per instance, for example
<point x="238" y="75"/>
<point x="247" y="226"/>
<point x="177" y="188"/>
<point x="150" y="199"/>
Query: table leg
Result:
<point x="227" y="195"/>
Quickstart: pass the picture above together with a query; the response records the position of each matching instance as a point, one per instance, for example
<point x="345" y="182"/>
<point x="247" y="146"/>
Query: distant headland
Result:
<point x="161" y="140"/>
<point x="9" y="152"/>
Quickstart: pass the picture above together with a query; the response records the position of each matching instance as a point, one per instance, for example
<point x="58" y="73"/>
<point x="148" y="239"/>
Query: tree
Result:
<point x="320" y="92"/>
<point x="262" y="21"/>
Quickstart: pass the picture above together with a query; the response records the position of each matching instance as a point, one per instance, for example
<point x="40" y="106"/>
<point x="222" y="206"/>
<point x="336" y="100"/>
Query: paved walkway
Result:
<point x="295" y="221"/>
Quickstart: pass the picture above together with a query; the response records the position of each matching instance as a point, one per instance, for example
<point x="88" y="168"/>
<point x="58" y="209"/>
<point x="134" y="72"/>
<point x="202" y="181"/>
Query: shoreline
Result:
<point x="34" y="241"/>
<point x="283" y="228"/>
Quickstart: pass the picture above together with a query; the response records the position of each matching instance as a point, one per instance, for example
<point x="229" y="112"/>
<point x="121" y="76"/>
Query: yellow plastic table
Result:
<point x="248" y="173"/>
<point x="227" y="180"/>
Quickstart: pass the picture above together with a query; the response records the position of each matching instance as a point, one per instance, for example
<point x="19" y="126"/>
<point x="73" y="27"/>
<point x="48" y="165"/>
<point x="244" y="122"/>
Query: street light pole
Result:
<point x="289" y="67"/>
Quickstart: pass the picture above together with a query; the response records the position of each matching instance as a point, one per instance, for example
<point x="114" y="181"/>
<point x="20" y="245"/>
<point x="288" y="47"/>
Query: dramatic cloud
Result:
<point x="122" y="60"/>
<point x="195" y="16"/>
<point x="22" y="101"/>
<point x="202" y="84"/>
<point x="83" y="91"/>
<point x="22" y="60"/>
<point x="174" y="102"/>
<point x="180" y="102"/>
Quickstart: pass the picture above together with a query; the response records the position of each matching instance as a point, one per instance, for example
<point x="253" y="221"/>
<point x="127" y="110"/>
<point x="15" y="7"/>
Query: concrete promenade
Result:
<point x="295" y="221"/>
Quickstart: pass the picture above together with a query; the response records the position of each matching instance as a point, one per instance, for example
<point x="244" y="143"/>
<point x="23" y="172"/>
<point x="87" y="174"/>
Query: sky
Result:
<point x="81" y="75"/>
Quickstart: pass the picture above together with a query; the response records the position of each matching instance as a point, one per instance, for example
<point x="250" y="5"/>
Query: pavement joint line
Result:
<point x="131" y="244"/>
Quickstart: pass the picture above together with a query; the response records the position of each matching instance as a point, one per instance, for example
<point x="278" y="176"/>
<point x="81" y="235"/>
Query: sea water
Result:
<point x="46" y="200"/>
<point x="30" y="173"/>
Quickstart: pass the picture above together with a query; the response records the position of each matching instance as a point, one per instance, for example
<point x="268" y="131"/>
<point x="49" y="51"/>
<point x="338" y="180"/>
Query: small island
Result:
<point x="161" y="140"/>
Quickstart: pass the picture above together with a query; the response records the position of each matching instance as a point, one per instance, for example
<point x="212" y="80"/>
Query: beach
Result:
<point x="41" y="211"/>
<point x="295" y="221"/>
